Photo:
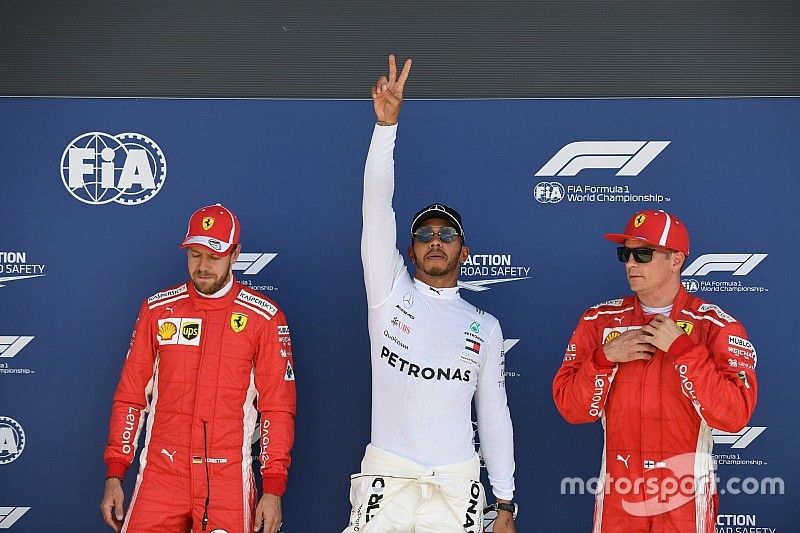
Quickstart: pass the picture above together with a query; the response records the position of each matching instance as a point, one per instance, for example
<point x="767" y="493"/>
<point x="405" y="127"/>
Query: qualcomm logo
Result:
<point x="493" y="268"/>
<point x="9" y="515"/>
<point x="12" y="345"/>
<point x="739" y="264"/>
<point x="739" y="439"/>
<point x="12" y="440"/>
<point x="630" y="157"/>
<point x="99" y="168"/>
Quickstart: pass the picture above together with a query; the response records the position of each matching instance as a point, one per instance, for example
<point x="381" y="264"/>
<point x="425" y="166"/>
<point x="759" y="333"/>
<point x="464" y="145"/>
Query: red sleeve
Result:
<point x="719" y="378"/>
<point x="130" y="398"/>
<point x="277" y="400"/>
<point x="581" y="385"/>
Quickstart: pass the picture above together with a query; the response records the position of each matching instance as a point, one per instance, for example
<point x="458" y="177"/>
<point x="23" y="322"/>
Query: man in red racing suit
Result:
<point x="660" y="369"/>
<point x="206" y="358"/>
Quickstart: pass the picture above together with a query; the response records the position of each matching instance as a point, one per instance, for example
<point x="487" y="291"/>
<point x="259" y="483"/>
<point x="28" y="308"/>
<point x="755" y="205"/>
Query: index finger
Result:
<point x="406" y="70"/>
<point x="392" y="68"/>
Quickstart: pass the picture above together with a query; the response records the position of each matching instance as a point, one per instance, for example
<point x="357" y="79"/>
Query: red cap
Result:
<point x="215" y="227"/>
<point x="658" y="228"/>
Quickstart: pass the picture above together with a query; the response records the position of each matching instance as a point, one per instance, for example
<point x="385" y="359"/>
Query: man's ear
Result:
<point x="678" y="258"/>
<point x="464" y="254"/>
<point x="411" y="253"/>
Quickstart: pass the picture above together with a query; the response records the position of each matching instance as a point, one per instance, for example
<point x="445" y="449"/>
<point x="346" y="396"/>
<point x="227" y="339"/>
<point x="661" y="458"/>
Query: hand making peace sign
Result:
<point x="387" y="94"/>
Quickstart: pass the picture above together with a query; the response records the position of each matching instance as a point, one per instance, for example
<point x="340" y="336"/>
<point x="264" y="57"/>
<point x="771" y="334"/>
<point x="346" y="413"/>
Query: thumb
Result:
<point x="393" y="99"/>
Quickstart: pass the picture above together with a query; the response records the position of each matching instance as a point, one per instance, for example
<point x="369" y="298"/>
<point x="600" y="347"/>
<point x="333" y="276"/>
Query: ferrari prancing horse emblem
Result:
<point x="238" y="322"/>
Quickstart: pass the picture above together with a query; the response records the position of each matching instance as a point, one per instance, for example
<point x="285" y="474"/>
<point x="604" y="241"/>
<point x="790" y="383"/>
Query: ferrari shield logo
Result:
<point x="289" y="376"/>
<point x="685" y="326"/>
<point x="208" y="222"/>
<point x="639" y="220"/>
<point x="238" y="322"/>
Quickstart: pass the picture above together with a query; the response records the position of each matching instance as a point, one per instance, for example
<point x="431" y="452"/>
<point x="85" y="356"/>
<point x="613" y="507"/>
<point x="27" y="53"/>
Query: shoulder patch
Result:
<point x="167" y="294"/>
<point x="247" y="297"/>
<point x="705" y="308"/>
<point x="610" y="303"/>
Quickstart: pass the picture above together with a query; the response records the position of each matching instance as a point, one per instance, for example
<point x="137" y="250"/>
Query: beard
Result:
<point x="209" y="286"/>
<point x="436" y="270"/>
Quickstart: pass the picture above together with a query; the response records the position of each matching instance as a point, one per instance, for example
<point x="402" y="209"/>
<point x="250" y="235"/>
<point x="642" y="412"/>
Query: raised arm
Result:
<point x="383" y="264"/>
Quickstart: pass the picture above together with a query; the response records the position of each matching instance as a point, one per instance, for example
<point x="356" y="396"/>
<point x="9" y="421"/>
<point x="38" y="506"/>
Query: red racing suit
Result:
<point x="203" y="369"/>
<point x="657" y="415"/>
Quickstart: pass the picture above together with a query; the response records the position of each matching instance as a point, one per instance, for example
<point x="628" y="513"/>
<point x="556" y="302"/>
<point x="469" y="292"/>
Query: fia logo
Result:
<point x="12" y="440"/>
<point x="98" y="168"/>
<point x="548" y="192"/>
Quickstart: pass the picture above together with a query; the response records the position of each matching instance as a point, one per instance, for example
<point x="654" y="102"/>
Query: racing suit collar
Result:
<point x="677" y="305"/>
<point x="201" y="301"/>
<point x="445" y="293"/>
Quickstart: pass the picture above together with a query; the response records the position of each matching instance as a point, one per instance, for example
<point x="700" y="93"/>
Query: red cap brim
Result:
<point x="620" y="238"/>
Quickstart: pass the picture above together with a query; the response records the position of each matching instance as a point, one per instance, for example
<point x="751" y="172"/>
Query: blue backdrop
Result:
<point x="292" y="171"/>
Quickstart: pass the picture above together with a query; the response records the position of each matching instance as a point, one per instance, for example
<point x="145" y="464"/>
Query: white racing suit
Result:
<point x="396" y="495"/>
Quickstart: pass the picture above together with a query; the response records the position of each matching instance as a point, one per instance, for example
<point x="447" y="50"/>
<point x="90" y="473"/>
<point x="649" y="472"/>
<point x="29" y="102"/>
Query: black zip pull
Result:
<point x="208" y="480"/>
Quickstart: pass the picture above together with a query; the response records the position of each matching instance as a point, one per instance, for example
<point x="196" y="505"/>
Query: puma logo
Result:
<point x="170" y="309"/>
<point x="618" y="319"/>
<point x="624" y="459"/>
<point x="170" y="455"/>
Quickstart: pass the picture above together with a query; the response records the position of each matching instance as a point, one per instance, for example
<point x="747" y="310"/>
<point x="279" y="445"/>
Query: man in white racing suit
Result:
<point x="431" y="353"/>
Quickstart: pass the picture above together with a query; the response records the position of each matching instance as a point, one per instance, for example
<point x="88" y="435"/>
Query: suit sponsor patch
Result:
<point x="609" y="334"/>
<point x="183" y="331"/>
<point x="258" y="302"/>
<point x="743" y="349"/>
<point x="720" y="313"/>
<point x="167" y="294"/>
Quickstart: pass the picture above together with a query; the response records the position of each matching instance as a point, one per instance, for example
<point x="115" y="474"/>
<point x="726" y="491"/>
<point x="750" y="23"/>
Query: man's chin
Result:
<point x="208" y="287"/>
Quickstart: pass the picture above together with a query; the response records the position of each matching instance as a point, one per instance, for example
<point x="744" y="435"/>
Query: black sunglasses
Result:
<point x="426" y="233"/>
<point x="640" y="255"/>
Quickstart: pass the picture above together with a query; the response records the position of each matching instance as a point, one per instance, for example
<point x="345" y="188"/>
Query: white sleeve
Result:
<point x="494" y="420"/>
<point x="383" y="264"/>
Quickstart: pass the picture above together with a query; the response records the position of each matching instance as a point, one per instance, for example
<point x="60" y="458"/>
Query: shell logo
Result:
<point x="611" y="336"/>
<point x="167" y="331"/>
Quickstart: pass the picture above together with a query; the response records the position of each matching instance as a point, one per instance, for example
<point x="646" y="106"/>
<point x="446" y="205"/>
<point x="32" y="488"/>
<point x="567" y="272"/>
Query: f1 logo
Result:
<point x="630" y="157"/>
<point x="739" y="439"/>
<point x="12" y="345"/>
<point x="739" y="264"/>
<point x="253" y="263"/>
<point x="508" y="344"/>
<point x="9" y="515"/>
